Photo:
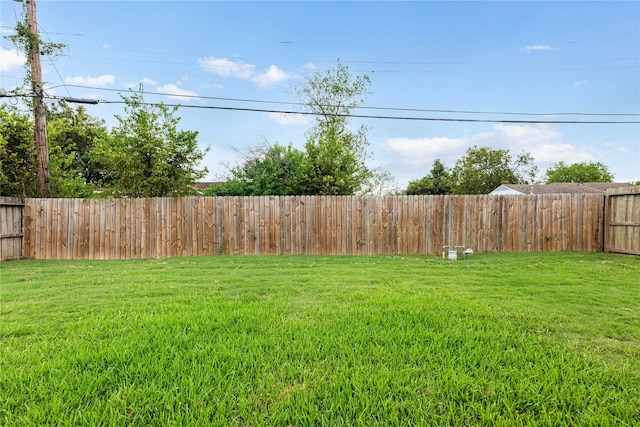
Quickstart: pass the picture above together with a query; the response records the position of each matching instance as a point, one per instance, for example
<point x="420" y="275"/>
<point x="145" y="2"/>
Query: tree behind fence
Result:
<point x="167" y="227"/>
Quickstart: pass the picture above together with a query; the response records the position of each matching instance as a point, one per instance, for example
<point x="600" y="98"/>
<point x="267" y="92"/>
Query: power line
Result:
<point x="363" y="107"/>
<point x="366" y="116"/>
<point x="358" y="116"/>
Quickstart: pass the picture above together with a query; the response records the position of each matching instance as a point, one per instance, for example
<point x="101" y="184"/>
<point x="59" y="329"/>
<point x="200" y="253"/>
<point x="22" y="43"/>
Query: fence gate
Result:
<point x="11" y="231"/>
<point x="622" y="221"/>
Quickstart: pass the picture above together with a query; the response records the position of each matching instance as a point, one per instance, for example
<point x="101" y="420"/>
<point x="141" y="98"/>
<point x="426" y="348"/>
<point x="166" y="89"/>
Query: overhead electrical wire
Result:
<point x="367" y="116"/>
<point x="359" y="116"/>
<point x="360" y="108"/>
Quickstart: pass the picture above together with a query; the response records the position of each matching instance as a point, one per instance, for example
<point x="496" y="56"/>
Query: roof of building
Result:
<point x="559" y="188"/>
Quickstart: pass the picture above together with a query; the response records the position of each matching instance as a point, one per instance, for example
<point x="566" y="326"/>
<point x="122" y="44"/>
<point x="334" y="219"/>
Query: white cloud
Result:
<point x="542" y="140"/>
<point x="225" y="67"/>
<point x="11" y="59"/>
<point x="176" y="92"/>
<point x="271" y="77"/>
<point x="310" y="66"/>
<point x="518" y="136"/>
<point x="423" y="151"/>
<point x="287" y="119"/>
<point x="100" y="81"/>
<point x="147" y="81"/>
<point x="559" y="152"/>
<point x="580" y="83"/>
<point x="536" y="48"/>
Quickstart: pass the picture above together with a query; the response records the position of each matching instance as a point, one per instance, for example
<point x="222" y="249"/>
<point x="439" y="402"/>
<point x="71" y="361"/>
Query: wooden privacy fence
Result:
<point x="11" y="235"/>
<point x="166" y="227"/>
<point x="622" y="221"/>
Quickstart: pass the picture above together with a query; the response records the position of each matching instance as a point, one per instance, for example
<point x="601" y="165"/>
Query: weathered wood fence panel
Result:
<point x="11" y="234"/>
<point x="622" y="221"/>
<point x="359" y="225"/>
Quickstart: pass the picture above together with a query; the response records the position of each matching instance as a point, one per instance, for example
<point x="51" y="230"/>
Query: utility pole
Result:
<point x="40" y="119"/>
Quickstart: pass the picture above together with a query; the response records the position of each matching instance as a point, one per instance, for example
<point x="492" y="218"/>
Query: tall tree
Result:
<point x="436" y="182"/>
<point x="483" y="169"/>
<point x="335" y="161"/>
<point x="147" y="155"/>
<point x="578" y="172"/>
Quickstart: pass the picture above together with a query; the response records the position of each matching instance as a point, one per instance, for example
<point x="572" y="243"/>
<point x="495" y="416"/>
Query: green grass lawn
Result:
<point x="495" y="339"/>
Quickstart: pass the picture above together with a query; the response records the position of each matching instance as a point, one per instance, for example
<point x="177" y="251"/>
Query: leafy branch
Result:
<point x="27" y="41"/>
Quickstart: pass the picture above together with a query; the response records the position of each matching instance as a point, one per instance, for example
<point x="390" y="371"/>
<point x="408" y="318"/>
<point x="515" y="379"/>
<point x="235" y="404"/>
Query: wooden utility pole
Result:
<point x="40" y="119"/>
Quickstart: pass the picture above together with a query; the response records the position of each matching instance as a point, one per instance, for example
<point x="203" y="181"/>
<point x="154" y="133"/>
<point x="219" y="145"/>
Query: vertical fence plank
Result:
<point x="197" y="231"/>
<point x="71" y="212"/>
<point x="28" y="213"/>
<point x="207" y="226"/>
<point x="219" y="239"/>
<point x="262" y="215"/>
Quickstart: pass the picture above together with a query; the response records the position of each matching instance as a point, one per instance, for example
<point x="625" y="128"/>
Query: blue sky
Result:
<point x="477" y="59"/>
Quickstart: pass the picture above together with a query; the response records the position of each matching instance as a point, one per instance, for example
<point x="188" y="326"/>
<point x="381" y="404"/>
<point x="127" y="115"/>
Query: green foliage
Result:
<point x="18" y="163"/>
<point x="65" y="180"/>
<point x="578" y="172"/>
<point x="435" y="183"/>
<point x="76" y="133"/>
<point x="334" y="164"/>
<point x="495" y="340"/>
<point x="267" y="170"/>
<point x="147" y="156"/>
<point x="71" y="135"/>
<point x="332" y="96"/>
<point x="484" y="169"/>
<point x="27" y="40"/>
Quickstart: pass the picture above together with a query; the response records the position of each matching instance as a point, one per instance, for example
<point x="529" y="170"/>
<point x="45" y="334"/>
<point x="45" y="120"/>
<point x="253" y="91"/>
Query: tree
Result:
<point x="267" y="171"/>
<point x="73" y="136"/>
<point x="147" y="156"/>
<point x="436" y="182"/>
<point x="578" y="172"/>
<point x="333" y="165"/>
<point x="381" y="183"/>
<point x="77" y="133"/>
<point x="19" y="176"/>
<point x="335" y="160"/>
<point x="331" y="96"/>
<point x="18" y="163"/>
<point x="484" y="169"/>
